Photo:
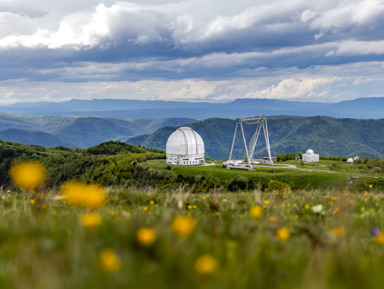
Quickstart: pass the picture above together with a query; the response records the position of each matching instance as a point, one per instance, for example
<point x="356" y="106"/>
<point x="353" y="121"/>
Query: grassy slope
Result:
<point x="306" y="177"/>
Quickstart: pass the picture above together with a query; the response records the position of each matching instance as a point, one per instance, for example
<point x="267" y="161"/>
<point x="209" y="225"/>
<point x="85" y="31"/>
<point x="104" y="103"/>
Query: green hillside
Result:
<point x="326" y="136"/>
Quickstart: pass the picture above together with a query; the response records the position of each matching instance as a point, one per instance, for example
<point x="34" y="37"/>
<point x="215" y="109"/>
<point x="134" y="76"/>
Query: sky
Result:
<point x="191" y="50"/>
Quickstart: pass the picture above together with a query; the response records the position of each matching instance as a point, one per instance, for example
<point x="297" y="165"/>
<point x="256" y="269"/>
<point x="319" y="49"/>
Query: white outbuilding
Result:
<point x="310" y="157"/>
<point x="350" y="160"/>
<point x="185" y="147"/>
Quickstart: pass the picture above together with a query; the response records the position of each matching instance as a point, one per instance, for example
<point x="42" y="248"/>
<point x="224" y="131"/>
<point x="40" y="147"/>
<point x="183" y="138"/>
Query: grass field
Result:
<point x="82" y="235"/>
<point x="290" y="239"/>
<point x="308" y="176"/>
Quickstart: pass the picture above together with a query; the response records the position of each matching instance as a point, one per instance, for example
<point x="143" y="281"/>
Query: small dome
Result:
<point x="350" y="160"/>
<point x="309" y="152"/>
<point x="185" y="141"/>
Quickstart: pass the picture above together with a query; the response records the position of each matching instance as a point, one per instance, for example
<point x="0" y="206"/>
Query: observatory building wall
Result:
<point x="185" y="147"/>
<point x="310" y="157"/>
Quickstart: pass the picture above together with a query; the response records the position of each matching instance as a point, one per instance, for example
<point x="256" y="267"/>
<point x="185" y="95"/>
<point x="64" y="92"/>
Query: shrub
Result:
<point x="277" y="186"/>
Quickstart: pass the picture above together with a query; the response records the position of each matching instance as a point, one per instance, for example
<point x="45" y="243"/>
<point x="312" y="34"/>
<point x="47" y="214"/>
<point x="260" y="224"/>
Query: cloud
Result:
<point x="320" y="83"/>
<point x="174" y="49"/>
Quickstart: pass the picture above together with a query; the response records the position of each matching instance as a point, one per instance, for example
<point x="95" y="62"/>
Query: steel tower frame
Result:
<point x="261" y="123"/>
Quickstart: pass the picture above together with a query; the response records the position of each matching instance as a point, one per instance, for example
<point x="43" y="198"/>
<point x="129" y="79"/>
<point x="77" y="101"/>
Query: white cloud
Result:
<point x="218" y="50"/>
<point x="322" y="83"/>
<point x="361" y="48"/>
<point x="348" y="13"/>
<point x="178" y="22"/>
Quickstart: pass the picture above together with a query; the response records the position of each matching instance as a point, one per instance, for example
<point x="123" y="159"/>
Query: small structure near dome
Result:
<point x="310" y="157"/>
<point x="350" y="161"/>
<point x="185" y="147"/>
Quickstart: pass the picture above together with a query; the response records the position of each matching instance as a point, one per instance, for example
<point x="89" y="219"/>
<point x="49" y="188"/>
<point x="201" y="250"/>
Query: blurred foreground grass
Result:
<point x="289" y="239"/>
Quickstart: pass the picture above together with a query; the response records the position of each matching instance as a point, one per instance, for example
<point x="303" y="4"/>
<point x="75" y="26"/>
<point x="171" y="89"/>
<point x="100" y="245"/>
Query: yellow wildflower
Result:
<point x="112" y="213"/>
<point x="336" y="210"/>
<point x="203" y="198"/>
<point x="206" y="265"/>
<point x="152" y="202"/>
<point x="189" y="207"/>
<point x="256" y="212"/>
<point x="183" y="225"/>
<point x="83" y="195"/>
<point x="91" y="220"/>
<point x="145" y="208"/>
<point x="375" y="196"/>
<point x="43" y="206"/>
<point x="266" y="202"/>
<point x="282" y="206"/>
<point x="370" y="186"/>
<point x="380" y="238"/>
<point x="32" y="201"/>
<point x="146" y="236"/>
<point x="307" y="206"/>
<point x="338" y="233"/>
<point x="194" y="206"/>
<point x="365" y="194"/>
<point x="29" y="176"/>
<point x="272" y="218"/>
<point x="109" y="261"/>
<point x="333" y="198"/>
<point x="347" y="194"/>
<point x="283" y="234"/>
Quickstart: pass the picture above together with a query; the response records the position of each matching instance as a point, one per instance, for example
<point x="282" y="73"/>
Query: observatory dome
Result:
<point x="185" y="147"/>
<point x="310" y="156"/>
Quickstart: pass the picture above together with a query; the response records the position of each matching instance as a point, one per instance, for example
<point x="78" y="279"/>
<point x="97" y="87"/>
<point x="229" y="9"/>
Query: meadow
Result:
<point x="145" y="238"/>
<point x="116" y="216"/>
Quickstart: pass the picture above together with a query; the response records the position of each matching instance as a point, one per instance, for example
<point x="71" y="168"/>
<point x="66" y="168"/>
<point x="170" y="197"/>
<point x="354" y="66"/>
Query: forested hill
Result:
<point x="326" y="136"/>
<point x="110" y="163"/>
<point x="77" y="132"/>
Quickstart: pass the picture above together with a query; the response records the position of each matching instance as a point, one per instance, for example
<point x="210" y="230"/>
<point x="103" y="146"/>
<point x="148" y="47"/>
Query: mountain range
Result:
<point x="75" y="131"/>
<point x="370" y="108"/>
<point x="288" y="134"/>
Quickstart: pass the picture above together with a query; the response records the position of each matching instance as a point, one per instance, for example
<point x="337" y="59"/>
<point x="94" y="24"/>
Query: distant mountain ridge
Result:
<point x="34" y="138"/>
<point x="366" y="108"/>
<point x="325" y="135"/>
<point x="74" y="131"/>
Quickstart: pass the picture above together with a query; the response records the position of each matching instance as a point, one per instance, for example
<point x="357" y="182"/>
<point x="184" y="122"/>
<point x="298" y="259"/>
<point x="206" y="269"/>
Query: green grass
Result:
<point x="307" y="176"/>
<point x="49" y="248"/>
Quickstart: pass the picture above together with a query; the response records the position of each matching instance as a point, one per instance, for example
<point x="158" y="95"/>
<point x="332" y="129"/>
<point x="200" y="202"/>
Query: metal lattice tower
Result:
<point x="261" y="123"/>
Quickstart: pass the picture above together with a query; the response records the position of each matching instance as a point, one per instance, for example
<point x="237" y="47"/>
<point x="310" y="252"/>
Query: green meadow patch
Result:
<point x="299" y="239"/>
<point x="308" y="176"/>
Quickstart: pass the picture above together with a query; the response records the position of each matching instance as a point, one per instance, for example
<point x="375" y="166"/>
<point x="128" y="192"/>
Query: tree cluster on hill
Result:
<point x="111" y="163"/>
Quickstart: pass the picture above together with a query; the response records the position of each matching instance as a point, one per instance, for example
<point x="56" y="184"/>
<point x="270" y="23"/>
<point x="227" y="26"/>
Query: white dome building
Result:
<point x="185" y="147"/>
<point x="310" y="157"/>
